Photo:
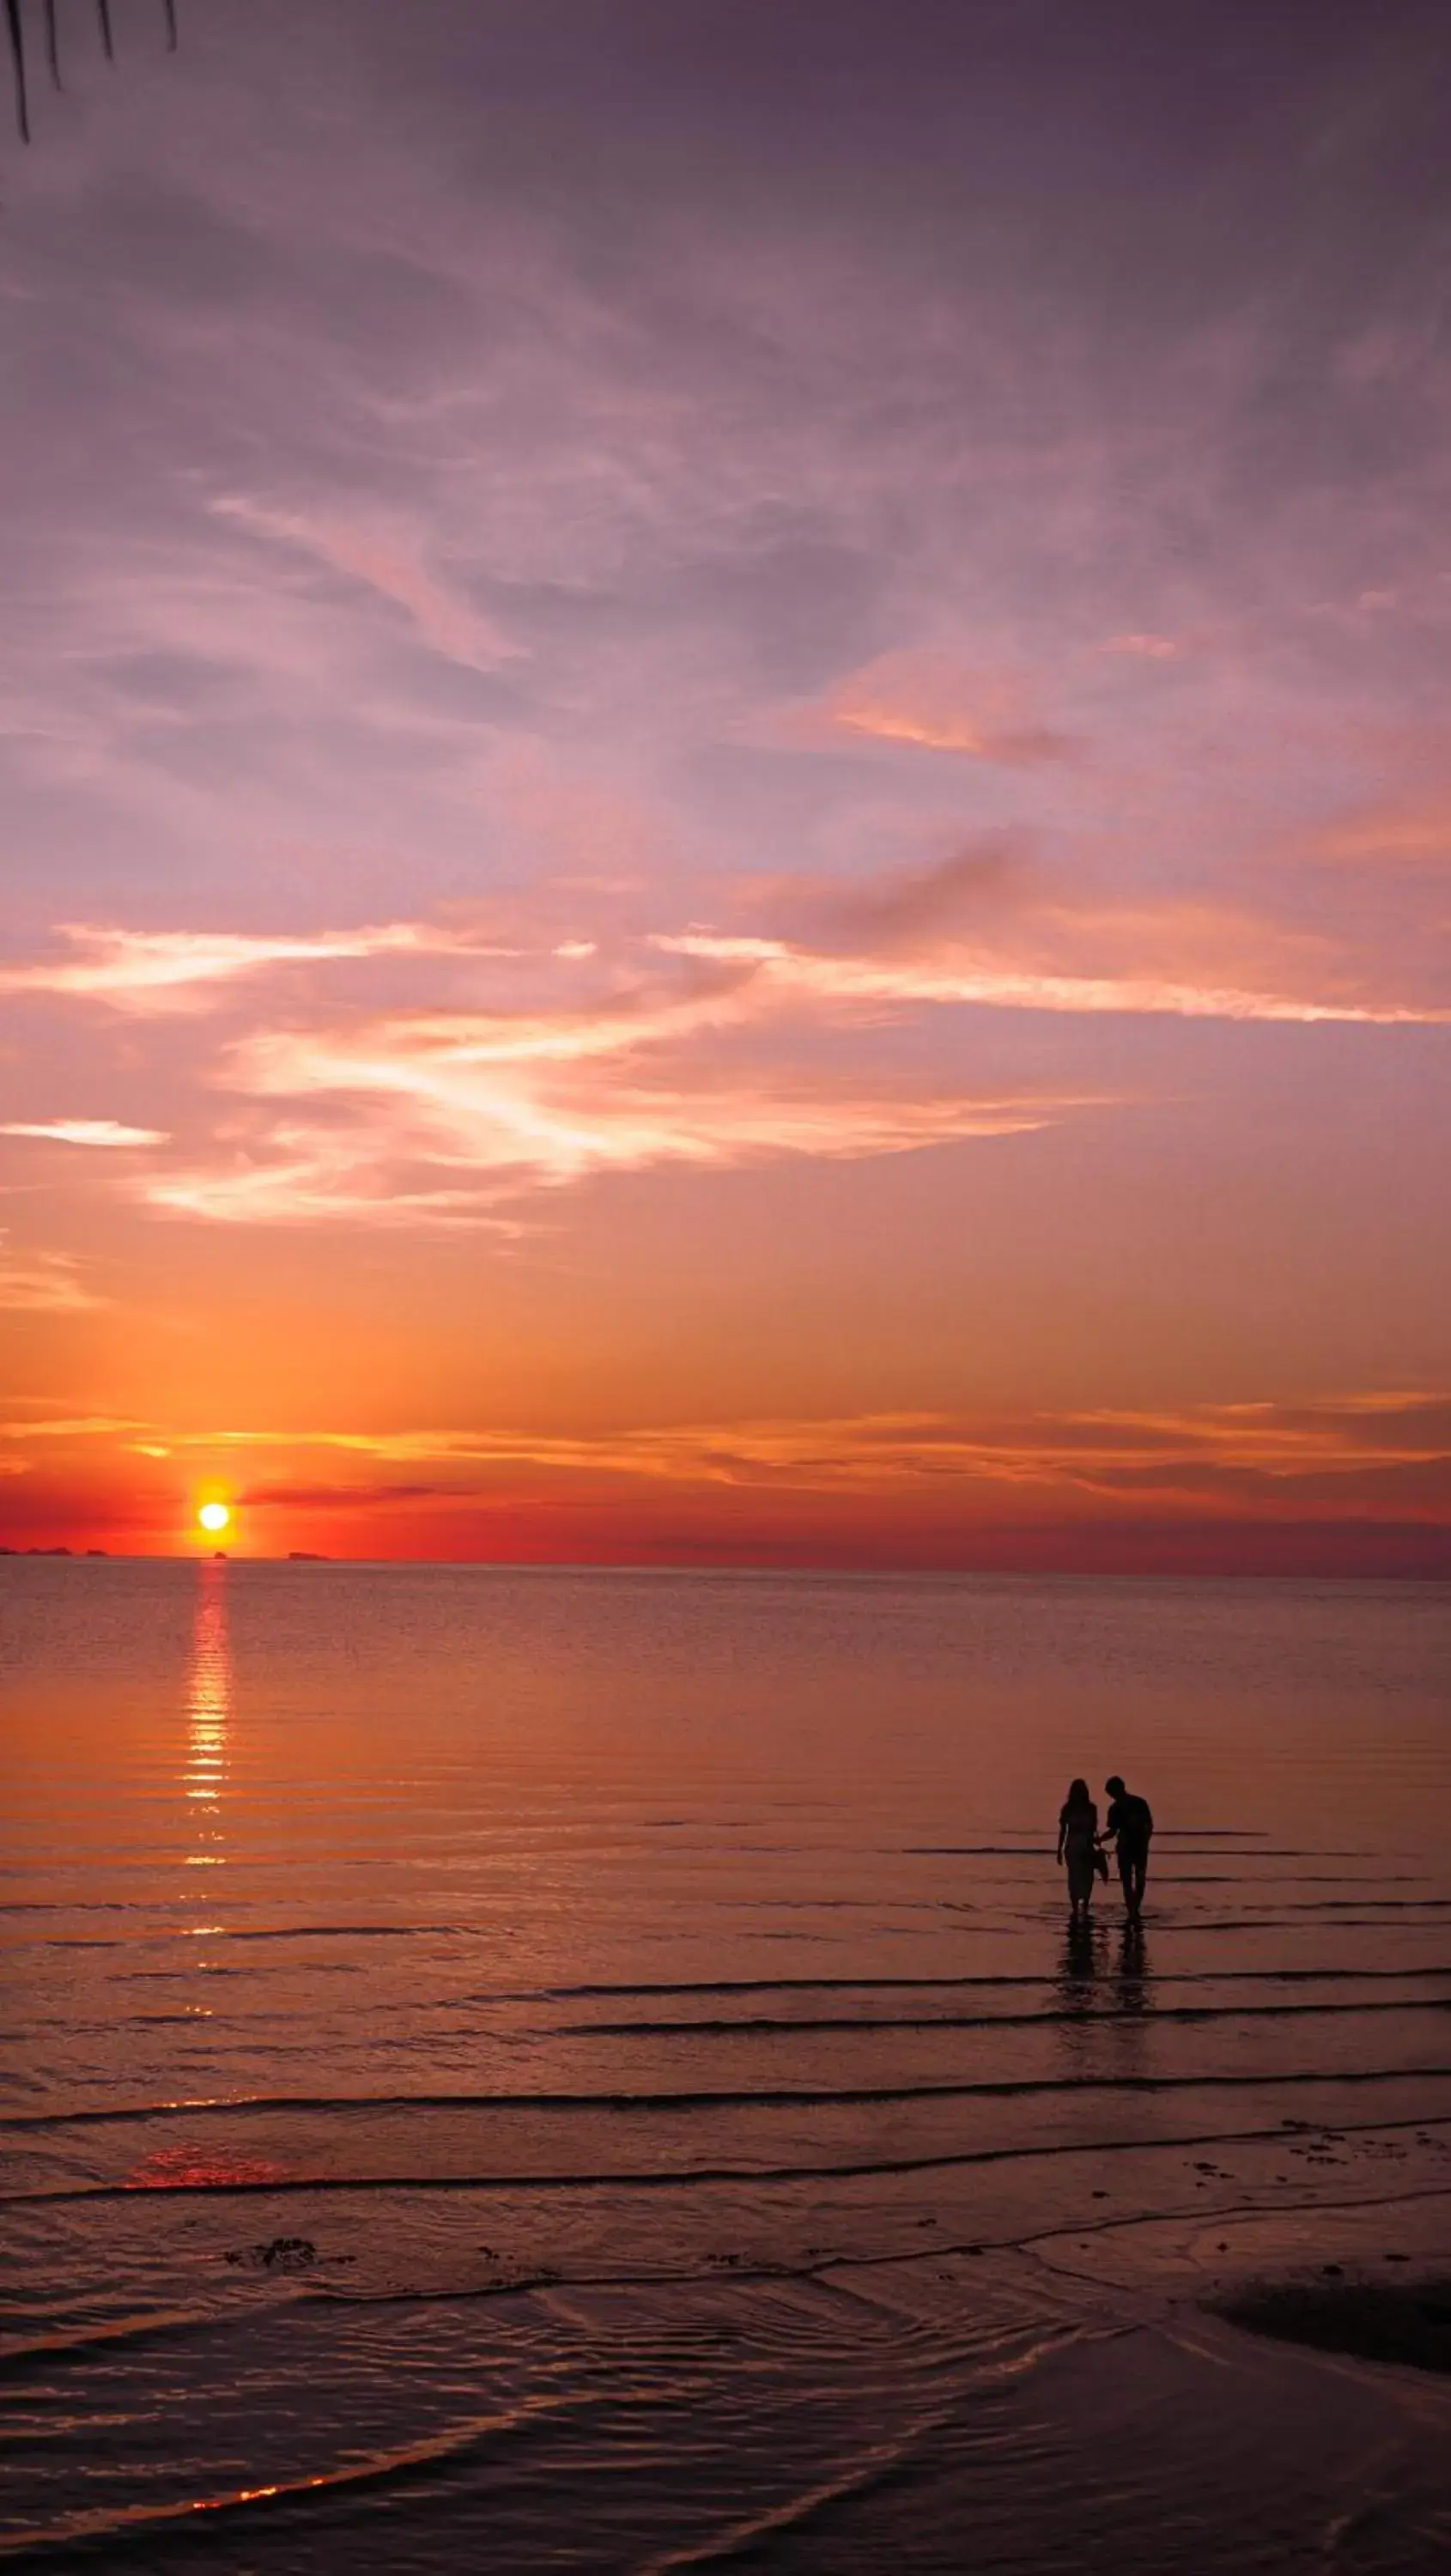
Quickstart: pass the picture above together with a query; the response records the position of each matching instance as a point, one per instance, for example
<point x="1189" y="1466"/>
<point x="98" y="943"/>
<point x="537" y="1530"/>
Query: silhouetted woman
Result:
<point x="1077" y="1844"/>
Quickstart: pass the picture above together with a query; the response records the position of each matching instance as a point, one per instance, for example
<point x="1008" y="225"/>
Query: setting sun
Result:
<point x="214" y="1517"/>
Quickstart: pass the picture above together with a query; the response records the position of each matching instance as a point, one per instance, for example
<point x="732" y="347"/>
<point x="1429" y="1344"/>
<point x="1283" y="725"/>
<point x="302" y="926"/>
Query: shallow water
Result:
<point x="589" y="2070"/>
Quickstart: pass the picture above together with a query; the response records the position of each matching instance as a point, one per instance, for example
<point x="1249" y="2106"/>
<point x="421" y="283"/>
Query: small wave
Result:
<point x="772" y="2098"/>
<point x="42" y="2351"/>
<point x="880" y="2467"/>
<point x="972" y="1851"/>
<point x="696" y="2177"/>
<point x="108" y="2534"/>
<point x="247" y="1932"/>
<point x="344" y="1932"/>
<point x="919" y="1984"/>
<point x="1383" y="1904"/>
<point x="85" y="1905"/>
<point x="1111" y="2015"/>
<point x="1279" y="1921"/>
<point x="1033" y="1850"/>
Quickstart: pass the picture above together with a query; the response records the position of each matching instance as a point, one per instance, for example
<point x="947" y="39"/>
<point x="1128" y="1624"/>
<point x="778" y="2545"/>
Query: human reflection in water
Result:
<point x="1133" y="1982"/>
<point x="1079" y="1968"/>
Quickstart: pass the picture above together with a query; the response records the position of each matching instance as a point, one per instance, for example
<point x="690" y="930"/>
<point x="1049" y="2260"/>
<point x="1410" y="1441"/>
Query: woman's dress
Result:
<point x="1080" y="1841"/>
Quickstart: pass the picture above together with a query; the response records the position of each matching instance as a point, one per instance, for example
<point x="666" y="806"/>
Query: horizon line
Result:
<point x="315" y="1558"/>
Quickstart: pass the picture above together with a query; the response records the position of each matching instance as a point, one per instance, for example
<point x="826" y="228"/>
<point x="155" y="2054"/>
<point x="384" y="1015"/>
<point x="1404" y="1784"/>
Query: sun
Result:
<point x="215" y="1517"/>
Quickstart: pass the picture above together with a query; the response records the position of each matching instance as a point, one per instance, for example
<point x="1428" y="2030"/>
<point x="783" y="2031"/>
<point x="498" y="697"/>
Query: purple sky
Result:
<point x="720" y="714"/>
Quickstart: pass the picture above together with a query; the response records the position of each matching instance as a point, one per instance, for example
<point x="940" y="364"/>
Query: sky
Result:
<point x="726" y="784"/>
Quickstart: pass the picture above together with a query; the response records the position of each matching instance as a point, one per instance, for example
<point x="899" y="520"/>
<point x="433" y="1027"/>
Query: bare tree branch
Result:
<point x="17" y="59"/>
<point x="15" y="32"/>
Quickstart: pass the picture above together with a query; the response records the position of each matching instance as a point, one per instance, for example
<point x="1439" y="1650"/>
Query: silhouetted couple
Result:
<point x="1129" y="1827"/>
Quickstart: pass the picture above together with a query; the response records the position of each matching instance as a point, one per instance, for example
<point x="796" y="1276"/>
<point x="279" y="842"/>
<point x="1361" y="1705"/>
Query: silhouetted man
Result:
<point x="1131" y="1824"/>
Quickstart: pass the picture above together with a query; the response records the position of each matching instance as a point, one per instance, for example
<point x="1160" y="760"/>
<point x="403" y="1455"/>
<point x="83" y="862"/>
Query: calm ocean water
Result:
<point x="589" y="2070"/>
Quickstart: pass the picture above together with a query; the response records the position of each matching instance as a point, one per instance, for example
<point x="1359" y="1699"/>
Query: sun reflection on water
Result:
<point x="208" y="1716"/>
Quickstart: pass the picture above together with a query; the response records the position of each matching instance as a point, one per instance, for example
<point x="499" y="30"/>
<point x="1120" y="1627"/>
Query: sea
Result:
<point x="537" y="2069"/>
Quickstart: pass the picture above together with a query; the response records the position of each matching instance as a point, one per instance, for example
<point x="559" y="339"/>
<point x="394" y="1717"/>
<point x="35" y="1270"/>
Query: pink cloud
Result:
<point x="698" y="1047"/>
<point x="391" y="567"/>
<point x="148" y="970"/>
<point x="432" y="1122"/>
<point x="1147" y="648"/>
<point x="447" y="1114"/>
<point x="1418" y="833"/>
<point x="931" y="702"/>
<point x="957" y="975"/>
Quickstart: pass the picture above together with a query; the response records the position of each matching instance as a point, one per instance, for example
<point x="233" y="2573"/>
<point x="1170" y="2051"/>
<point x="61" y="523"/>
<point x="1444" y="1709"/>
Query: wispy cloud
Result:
<point x="538" y="1063"/>
<point x="107" y="1133"/>
<point x="931" y="702"/>
<point x="1324" y="1454"/>
<point x="145" y="970"/>
<point x="1102" y="1451"/>
<point x="994" y="983"/>
<point x="42" y="1283"/>
<point x="681" y="1050"/>
<point x="386" y="563"/>
<point x="1145" y="648"/>
<point x="1400" y="833"/>
<point x="452" y="1119"/>
<point x="63" y="1426"/>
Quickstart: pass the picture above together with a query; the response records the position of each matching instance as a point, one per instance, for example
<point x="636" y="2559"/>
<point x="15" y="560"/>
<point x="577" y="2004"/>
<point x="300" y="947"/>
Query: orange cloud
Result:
<point x="42" y="1283"/>
<point x="85" y="1426"/>
<point x="1098" y="1451"/>
<point x="930" y="702"/>
<point x="1333" y="1456"/>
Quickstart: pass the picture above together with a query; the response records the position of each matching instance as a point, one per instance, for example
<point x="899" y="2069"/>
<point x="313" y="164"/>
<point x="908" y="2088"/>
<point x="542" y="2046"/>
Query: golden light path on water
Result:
<point x="208" y="1718"/>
